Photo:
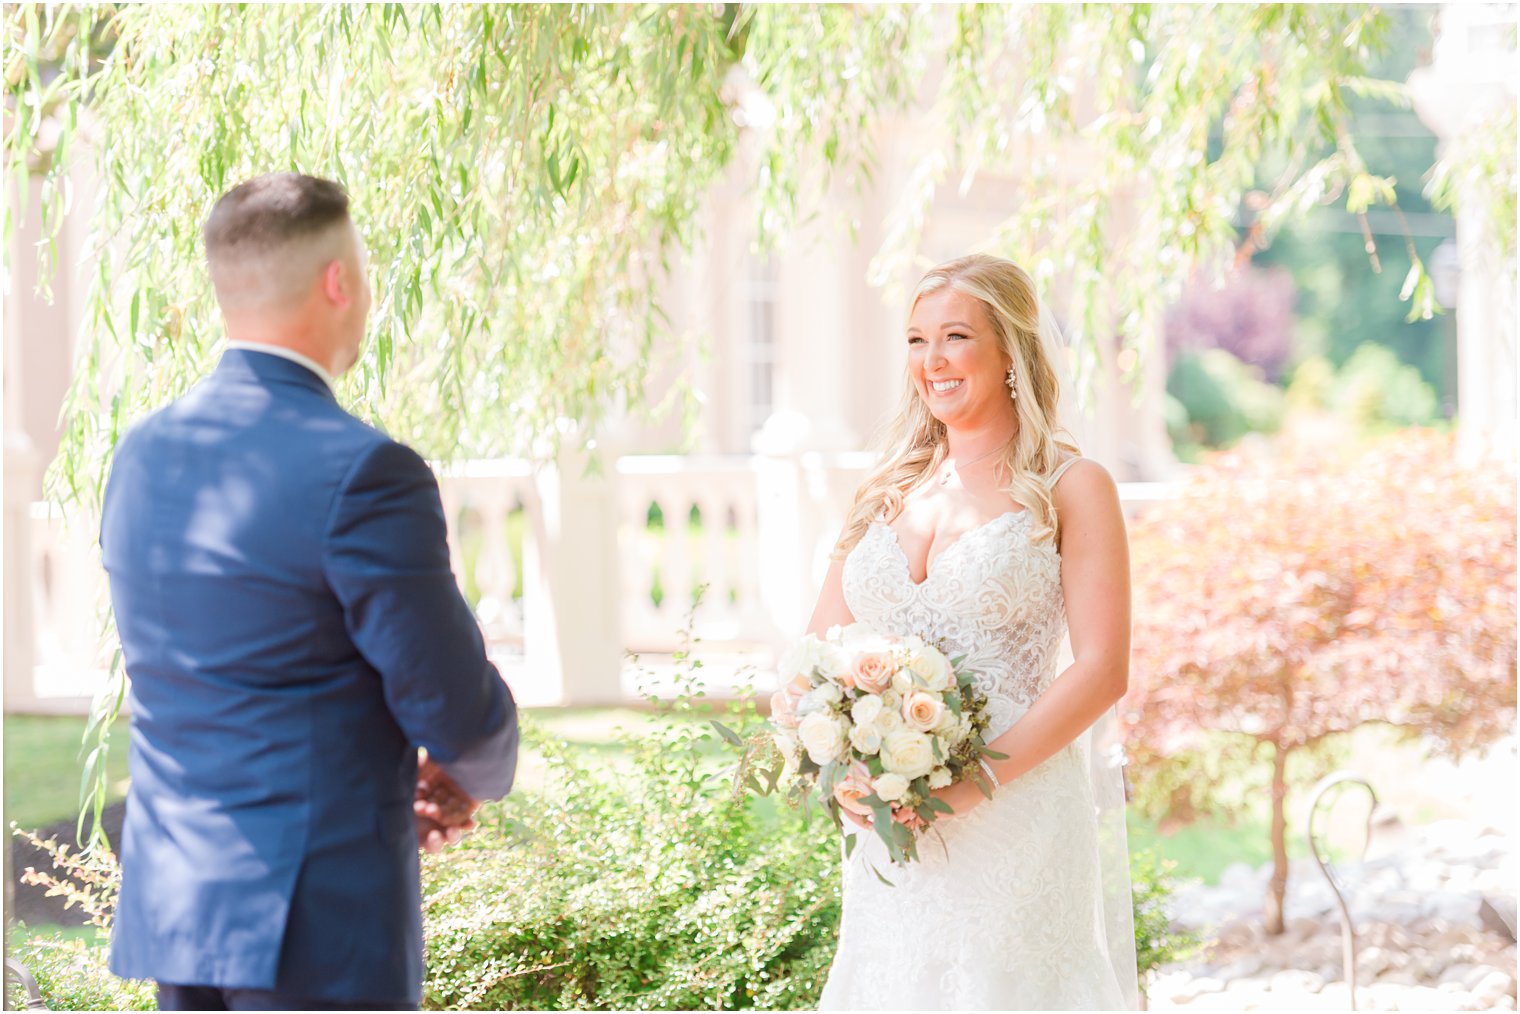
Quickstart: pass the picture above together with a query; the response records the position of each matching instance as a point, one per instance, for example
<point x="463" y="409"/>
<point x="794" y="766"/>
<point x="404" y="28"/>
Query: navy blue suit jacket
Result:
<point x="293" y="633"/>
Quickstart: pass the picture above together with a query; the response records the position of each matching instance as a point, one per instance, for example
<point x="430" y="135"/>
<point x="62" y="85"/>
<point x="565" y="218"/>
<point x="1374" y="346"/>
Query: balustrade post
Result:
<point x="572" y="633"/>
<point x="787" y="518"/>
<point x="20" y="615"/>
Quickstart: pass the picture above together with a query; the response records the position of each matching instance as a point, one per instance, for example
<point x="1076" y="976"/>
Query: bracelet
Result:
<point x="997" y="782"/>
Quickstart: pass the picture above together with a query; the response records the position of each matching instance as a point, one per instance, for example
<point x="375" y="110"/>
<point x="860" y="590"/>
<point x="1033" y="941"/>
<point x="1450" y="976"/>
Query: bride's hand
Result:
<point x="963" y="797"/>
<point x="863" y="822"/>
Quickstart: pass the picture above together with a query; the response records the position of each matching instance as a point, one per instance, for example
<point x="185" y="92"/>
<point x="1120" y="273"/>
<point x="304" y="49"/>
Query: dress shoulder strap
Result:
<point x="1055" y="476"/>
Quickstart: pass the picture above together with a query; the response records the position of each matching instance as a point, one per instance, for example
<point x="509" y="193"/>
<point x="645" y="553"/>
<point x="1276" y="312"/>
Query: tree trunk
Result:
<point x="1278" y="887"/>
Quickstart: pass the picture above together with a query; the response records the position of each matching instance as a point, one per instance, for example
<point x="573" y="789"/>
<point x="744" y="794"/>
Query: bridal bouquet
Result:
<point x="873" y="724"/>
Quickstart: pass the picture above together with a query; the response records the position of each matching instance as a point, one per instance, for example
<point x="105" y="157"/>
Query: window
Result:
<point x="760" y="302"/>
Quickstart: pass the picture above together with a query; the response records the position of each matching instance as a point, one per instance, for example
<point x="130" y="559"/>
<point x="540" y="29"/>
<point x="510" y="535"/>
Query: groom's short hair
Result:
<point x="265" y="236"/>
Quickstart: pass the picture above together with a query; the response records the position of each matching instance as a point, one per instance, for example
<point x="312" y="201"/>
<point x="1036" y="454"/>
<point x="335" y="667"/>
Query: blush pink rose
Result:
<point x="873" y="671"/>
<point x="921" y="710"/>
<point x="852" y="788"/>
<point x="784" y="709"/>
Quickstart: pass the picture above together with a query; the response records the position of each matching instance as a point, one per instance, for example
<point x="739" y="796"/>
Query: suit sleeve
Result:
<point x="387" y="560"/>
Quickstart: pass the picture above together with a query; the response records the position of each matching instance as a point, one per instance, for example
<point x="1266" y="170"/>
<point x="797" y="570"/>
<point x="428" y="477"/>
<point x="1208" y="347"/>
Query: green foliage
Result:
<point x="95" y="750"/>
<point x="87" y="879"/>
<point x="1220" y="777"/>
<point x="71" y="974"/>
<point x="1223" y="398"/>
<point x="1348" y="297"/>
<point x="1191" y="100"/>
<point x="1372" y="394"/>
<point x="70" y="969"/>
<point x="1480" y="172"/>
<point x="522" y="174"/>
<point x="1378" y="393"/>
<point x="1311" y="386"/>
<point x="1157" y="942"/>
<point x="648" y="887"/>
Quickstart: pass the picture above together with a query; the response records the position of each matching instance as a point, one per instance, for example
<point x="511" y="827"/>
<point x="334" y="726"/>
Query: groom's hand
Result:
<point x="444" y="811"/>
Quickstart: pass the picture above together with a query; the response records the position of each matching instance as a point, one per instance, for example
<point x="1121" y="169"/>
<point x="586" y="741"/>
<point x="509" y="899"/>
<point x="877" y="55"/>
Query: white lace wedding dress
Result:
<point x="1010" y="914"/>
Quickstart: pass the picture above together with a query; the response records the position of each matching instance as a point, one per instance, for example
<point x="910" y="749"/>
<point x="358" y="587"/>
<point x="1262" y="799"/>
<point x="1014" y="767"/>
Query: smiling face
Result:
<point x="956" y="361"/>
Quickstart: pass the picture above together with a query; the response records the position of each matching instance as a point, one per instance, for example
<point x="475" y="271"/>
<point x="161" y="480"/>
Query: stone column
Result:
<point x="20" y="619"/>
<point x="572" y="623"/>
<point x="1471" y="79"/>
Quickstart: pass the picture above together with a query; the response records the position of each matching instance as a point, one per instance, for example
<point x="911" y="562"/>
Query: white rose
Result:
<point x="890" y="788"/>
<point x="939" y="778"/>
<point x="795" y="660"/>
<point x="889" y="720"/>
<point x="866" y="738"/>
<point x="818" y="699"/>
<point x="902" y="682"/>
<point x="807" y="655"/>
<point x="905" y="752"/>
<point x="948" y="723"/>
<point x="791" y="749"/>
<point x="866" y="710"/>
<point x="929" y="665"/>
<point x="891" y="700"/>
<point x="822" y="735"/>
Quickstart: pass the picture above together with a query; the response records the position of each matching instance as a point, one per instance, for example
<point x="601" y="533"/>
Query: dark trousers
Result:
<point x="172" y="997"/>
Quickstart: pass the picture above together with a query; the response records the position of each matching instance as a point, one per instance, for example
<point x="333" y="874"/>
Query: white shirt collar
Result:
<point x="284" y="353"/>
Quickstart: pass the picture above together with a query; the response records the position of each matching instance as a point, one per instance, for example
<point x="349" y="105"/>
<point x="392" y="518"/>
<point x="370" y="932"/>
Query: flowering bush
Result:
<point x="1281" y="604"/>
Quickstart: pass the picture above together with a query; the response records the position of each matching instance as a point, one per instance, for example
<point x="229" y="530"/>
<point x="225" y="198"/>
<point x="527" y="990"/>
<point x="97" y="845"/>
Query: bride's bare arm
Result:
<point x="1095" y="584"/>
<point x="831" y="608"/>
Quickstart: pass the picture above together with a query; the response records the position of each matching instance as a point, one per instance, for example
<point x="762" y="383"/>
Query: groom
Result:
<point x="293" y="635"/>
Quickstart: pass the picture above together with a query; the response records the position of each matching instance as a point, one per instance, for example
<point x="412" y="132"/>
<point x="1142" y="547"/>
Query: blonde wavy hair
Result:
<point x="915" y="442"/>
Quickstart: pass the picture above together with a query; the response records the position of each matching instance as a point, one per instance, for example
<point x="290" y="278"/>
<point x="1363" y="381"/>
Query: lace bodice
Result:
<point x="994" y="595"/>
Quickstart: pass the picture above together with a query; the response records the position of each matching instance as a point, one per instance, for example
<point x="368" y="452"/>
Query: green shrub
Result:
<point x="643" y="887"/>
<point x="1224" y="398"/>
<point x="1378" y="392"/>
<point x="1312" y="386"/>
<point x="1157" y="942"/>
<point x="72" y="975"/>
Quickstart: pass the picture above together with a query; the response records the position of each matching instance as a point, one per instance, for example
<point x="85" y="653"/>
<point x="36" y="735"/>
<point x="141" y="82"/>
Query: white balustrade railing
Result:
<point x="753" y="531"/>
<point x="686" y="523"/>
<point x="69" y="607"/>
<point x="492" y="511"/>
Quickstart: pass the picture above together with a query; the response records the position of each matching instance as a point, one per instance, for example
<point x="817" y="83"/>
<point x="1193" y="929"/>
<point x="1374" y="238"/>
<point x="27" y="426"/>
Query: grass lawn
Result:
<point x="43" y="768"/>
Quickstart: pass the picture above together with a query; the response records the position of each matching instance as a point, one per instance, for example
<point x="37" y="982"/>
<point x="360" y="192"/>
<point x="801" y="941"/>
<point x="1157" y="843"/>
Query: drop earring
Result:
<point x="1013" y="390"/>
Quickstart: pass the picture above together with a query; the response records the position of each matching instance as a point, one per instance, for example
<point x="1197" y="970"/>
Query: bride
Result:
<point x="984" y="532"/>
